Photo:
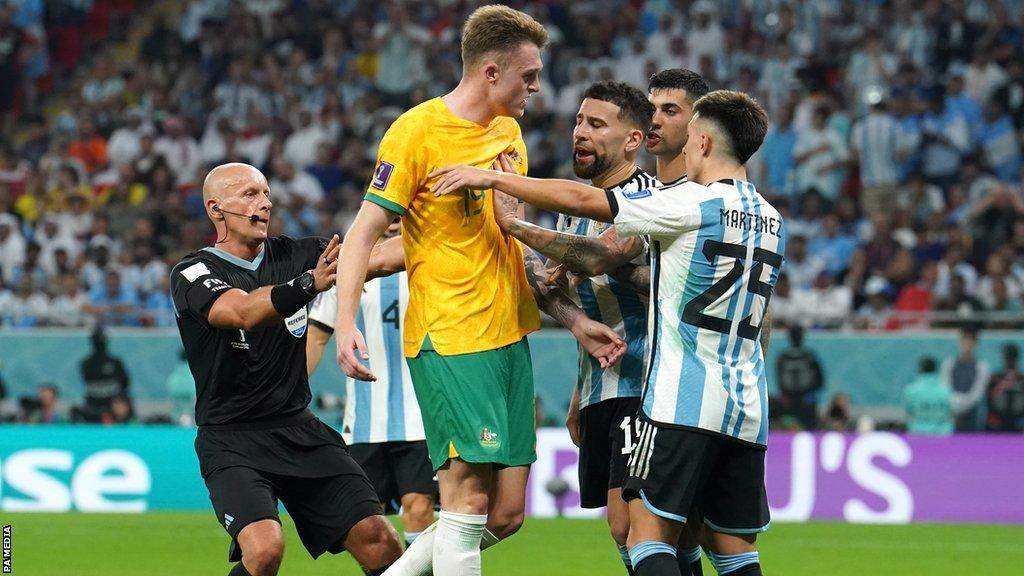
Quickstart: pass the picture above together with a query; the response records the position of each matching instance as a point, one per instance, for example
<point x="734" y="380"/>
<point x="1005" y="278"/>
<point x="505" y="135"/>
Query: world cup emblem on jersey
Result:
<point x="382" y="174"/>
<point x="489" y="439"/>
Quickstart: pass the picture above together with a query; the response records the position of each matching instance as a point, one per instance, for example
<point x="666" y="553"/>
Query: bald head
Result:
<point x="231" y="177"/>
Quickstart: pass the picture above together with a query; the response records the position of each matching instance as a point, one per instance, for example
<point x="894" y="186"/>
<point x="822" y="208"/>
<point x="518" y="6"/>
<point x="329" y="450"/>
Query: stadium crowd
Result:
<point x="894" y="152"/>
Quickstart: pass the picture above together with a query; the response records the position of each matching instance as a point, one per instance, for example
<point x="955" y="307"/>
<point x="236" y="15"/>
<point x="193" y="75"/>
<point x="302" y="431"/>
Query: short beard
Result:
<point x="598" y="166"/>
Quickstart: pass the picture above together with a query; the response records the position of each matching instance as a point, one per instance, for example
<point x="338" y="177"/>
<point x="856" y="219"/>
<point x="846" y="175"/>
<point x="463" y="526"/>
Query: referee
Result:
<point x="241" y="312"/>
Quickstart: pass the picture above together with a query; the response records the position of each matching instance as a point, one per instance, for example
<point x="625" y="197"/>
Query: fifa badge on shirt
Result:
<point x="382" y="174"/>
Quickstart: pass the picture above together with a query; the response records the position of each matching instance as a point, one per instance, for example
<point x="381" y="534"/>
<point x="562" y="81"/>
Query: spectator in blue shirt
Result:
<point x="998" y="140"/>
<point x="113" y="303"/>
<point x="961" y="104"/>
<point x="833" y="248"/>
<point x="325" y="170"/>
<point x="778" y="153"/>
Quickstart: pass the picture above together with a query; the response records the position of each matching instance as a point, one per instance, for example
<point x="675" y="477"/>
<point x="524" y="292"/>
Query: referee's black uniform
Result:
<point x="257" y="441"/>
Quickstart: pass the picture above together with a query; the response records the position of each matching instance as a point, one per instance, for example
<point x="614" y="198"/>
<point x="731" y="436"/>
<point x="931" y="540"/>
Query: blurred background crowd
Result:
<point x="894" y="150"/>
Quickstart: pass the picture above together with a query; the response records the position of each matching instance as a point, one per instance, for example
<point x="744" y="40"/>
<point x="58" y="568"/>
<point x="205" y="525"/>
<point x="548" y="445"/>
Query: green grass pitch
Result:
<point x="158" y="544"/>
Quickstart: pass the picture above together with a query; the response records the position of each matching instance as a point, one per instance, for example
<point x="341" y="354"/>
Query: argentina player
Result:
<point x="609" y="132"/>
<point x="382" y="424"/>
<point x="716" y="254"/>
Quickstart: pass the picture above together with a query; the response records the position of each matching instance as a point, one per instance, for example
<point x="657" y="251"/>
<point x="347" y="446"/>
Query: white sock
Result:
<point x="417" y="560"/>
<point x="488" y="539"/>
<point x="457" y="544"/>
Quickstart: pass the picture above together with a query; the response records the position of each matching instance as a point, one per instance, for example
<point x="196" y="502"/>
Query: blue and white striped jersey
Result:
<point x="385" y="410"/>
<point x="877" y="139"/>
<point x="616" y="305"/>
<point x="716" y="252"/>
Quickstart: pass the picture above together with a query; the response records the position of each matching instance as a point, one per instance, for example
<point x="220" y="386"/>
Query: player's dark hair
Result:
<point x="634" y="107"/>
<point x="498" y="29"/>
<point x="742" y="120"/>
<point x="680" y="79"/>
<point x="928" y="365"/>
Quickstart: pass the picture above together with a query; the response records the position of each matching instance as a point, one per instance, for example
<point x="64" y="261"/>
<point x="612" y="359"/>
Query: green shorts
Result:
<point x="478" y="407"/>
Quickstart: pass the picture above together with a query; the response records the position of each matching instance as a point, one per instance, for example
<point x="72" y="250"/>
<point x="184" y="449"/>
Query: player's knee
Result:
<point x="374" y="543"/>
<point x="472" y="503"/>
<point x="619" y="527"/>
<point x="418" y="509"/>
<point x="263" y="558"/>
<point x="505" y="523"/>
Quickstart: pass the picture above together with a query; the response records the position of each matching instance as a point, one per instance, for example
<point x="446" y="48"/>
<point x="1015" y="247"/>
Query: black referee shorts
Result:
<point x="396" y="469"/>
<point x="298" y="460"/>
<point x="607" y="434"/>
<point x="323" y="509"/>
<point x="677" y="471"/>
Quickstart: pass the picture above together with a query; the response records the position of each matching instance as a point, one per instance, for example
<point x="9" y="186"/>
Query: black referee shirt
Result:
<point x="244" y="376"/>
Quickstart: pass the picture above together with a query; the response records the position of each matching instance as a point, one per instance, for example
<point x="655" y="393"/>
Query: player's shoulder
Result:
<point x="194" y="265"/>
<point x="420" y="117"/>
<point x="685" y="192"/>
<point x="638" y="180"/>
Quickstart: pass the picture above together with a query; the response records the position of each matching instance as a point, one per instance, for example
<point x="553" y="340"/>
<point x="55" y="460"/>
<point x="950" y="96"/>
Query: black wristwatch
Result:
<point x="307" y="283"/>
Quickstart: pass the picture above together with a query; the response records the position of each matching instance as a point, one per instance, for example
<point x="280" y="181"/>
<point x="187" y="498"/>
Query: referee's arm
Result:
<point x="238" y="309"/>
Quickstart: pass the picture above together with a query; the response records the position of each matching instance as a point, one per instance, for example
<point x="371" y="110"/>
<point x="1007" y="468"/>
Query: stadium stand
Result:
<point x="894" y="151"/>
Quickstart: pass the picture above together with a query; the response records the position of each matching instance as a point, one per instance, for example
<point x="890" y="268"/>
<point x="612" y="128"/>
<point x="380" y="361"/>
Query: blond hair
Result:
<point x="495" y="28"/>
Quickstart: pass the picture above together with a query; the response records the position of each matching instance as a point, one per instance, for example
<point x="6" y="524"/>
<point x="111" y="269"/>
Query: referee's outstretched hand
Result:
<point x="327" y="266"/>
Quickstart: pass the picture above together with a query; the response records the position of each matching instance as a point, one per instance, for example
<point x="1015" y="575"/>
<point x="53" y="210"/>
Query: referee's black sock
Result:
<point x="689" y="562"/>
<point x="239" y="570"/>
<point x="652" y="558"/>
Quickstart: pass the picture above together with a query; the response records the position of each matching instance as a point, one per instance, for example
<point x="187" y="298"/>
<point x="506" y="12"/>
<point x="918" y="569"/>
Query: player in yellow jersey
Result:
<point x="471" y="304"/>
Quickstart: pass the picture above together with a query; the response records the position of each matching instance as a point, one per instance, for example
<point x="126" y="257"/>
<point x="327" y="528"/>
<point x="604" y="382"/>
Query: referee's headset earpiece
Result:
<point x="216" y="208"/>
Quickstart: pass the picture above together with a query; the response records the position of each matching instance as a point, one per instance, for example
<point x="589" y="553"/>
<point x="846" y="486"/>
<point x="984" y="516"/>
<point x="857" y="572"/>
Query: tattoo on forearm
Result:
<point x="550" y="299"/>
<point x="581" y="254"/>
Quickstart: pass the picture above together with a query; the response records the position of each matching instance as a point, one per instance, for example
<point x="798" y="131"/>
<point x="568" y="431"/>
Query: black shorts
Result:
<point x="298" y="460"/>
<point x="323" y="509"/>
<point x="607" y="434"/>
<point x="677" y="471"/>
<point x="396" y="469"/>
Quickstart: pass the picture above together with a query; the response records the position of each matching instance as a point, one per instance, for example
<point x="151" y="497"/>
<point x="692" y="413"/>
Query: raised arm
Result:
<point x="563" y="196"/>
<point x="584" y="255"/>
<point x="238" y="309"/>
<point x="369" y="226"/>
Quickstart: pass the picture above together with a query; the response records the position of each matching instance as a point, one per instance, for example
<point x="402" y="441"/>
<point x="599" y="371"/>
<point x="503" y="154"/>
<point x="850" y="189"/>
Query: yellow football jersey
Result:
<point x="468" y="290"/>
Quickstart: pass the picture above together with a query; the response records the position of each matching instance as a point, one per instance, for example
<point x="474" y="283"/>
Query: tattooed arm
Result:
<point x="583" y="255"/>
<point x="635" y="276"/>
<point x="598" y="340"/>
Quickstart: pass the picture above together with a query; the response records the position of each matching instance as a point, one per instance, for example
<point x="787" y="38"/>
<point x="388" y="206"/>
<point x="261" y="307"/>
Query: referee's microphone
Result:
<point x="252" y="218"/>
